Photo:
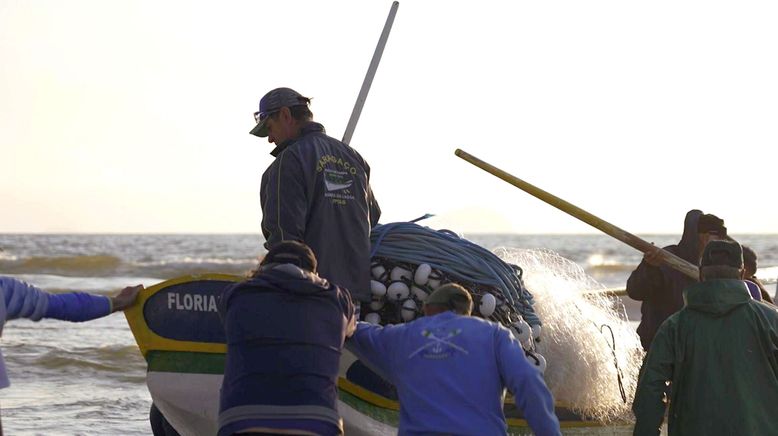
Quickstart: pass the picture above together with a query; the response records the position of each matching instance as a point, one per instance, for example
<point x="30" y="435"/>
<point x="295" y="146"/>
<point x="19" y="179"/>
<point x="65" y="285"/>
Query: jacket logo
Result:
<point x="337" y="180"/>
<point x="439" y="345"/>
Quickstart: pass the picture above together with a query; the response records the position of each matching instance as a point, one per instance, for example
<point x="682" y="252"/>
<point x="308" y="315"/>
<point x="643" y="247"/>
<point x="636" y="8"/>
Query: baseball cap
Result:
<point x="447" y="295"/>
<point x="722" y="253"/>
<point x="292" y="252"/>
<point x="273" y="101"/>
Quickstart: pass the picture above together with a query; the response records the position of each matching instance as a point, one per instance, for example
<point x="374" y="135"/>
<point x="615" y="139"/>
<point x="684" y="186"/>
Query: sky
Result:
<point x="133" y="116"/>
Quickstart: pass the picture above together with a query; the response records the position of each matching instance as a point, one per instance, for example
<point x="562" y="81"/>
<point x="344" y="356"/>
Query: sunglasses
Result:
<point x="262" y="116"/>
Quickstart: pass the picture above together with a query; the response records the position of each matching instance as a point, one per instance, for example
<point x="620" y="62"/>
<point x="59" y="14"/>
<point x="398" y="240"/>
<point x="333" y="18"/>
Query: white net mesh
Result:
<point x="579" y="349"/>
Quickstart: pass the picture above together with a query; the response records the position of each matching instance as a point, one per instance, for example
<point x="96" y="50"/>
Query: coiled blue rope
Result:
<point x="459" y="258"/>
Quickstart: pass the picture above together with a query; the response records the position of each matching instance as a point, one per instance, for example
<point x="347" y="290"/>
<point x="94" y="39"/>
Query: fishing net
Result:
<point x="589" y="352"/>
<point x="593" y="353"/>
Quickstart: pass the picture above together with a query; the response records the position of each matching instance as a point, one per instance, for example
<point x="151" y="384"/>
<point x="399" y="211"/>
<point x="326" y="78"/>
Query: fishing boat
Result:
<point x="179" y="333"/>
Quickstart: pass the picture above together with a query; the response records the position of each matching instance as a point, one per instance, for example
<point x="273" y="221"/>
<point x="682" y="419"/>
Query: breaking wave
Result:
<point x="104" y="265"/>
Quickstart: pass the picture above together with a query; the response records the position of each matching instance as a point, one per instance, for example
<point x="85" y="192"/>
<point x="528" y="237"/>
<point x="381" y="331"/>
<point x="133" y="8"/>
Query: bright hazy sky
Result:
<point x="133" y="116"/>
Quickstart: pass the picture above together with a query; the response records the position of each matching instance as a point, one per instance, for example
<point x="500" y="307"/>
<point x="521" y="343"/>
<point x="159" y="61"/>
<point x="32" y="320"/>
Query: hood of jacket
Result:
<point x="688" y="246"/>
<point x="717" y="297"/>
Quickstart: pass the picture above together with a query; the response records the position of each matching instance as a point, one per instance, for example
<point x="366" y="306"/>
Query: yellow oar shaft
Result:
<point x="598" y="223"/>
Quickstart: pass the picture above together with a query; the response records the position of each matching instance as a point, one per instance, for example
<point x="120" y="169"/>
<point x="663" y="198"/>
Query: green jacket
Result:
<point x="720" y="352"/>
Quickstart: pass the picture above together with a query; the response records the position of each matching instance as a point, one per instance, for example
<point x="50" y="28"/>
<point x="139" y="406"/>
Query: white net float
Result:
<point x="522" y="331"/>
<point x="373" y="318"/>
<point x="541" y="362"/>
<point x="397" y="291"/>
<point x="408" y="311"/>
<point x="377" y="288"/>
<point x="376" y="304"/>
<point x="400" y="273"/>
<point x="419" y="293"/>
<point x="536" y="333"/>
<point x="378" y="272"/>
<point x="487" y="305"/>
<point x="422" y="274"/>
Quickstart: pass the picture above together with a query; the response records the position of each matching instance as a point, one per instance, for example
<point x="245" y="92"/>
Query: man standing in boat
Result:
<point x="451" y="370"/>
<point x="659" y="286"/>
<point x="720" y="355"/>
<point x="316" y="191"/>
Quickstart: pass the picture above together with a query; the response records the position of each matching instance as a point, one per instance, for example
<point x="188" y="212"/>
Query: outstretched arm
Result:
<point x="526" y="384"/>
<point x="23" y="300"/>
<point x="81" y="306"/>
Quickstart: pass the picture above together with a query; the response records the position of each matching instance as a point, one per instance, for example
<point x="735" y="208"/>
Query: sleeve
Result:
<point x="374" y="208"/>
<point x="372" y="344"/>
<point x="349" y="311"/>
<point x="23" y="300"/>
<point x="645" y="281"/>
<point x="78" y="306"/>
<point x="284" y="201"/>
<point x="649" y="407"/>
<point x="527" y="385"/>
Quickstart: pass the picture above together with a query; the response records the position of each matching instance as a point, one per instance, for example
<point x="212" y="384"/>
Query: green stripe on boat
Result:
<point x="185" y="362"/>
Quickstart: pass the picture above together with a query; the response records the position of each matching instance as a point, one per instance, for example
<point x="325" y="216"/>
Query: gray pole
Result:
<point x="379" y="50"/>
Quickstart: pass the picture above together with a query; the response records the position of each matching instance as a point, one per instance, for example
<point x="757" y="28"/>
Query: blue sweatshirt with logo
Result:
<point x="451" y="372"/>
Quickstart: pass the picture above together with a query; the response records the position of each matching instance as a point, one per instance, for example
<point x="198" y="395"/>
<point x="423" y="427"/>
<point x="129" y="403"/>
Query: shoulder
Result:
<point x="768" y="309"/>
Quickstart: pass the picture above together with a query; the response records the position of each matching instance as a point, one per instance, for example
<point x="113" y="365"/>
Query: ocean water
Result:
<point x="89" y="378"/>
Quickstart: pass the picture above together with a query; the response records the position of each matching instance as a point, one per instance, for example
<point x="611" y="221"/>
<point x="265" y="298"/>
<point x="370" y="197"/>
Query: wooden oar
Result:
<point x="609" y="292"/>
<point x="598" y="223"/>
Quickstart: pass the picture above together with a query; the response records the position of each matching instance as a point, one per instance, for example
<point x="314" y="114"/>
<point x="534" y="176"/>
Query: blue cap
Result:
<point x="274" y="101"/>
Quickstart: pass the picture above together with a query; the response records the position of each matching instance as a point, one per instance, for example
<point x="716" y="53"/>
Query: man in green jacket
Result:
<point x="720" y="355"/>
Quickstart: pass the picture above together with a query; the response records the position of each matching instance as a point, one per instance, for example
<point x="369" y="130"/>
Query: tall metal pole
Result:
<point x="379" y="50"/>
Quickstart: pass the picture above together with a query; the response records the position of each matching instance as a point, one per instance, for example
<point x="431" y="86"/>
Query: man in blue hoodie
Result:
<point x="451" y="370"/>
<point x="285" y="329"/>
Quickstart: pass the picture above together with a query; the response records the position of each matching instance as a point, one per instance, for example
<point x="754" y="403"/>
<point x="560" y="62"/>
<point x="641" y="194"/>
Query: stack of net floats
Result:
<point x="410" y="261"/>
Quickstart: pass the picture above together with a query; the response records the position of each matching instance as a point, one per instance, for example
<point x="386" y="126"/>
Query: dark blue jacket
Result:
<point x="660" y="288"/>
<point x="317" y="191"/>
<point x="285" y="330"/>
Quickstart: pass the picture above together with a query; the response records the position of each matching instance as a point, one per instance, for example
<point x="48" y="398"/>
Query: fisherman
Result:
<point x="755" y="286"/>
<point x="718" y="353"/>
<point x="285" y="329"/>
<point x="19" y="299"/>
<point x="659" y="286"/>
<point x="316" y="191"/>
<point x="451" y="370"/>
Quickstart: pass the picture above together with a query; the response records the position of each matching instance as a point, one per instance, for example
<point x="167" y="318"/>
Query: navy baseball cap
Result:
<point x="272" y="102"/>
<point x="722" y="253"/>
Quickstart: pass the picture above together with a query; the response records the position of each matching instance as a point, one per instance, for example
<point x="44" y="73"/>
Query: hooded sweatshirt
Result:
<point x="285" y="330"/>
<point x="720" y="354"/>
<point x="451" y="372"/>
<point x="660" y="288"/>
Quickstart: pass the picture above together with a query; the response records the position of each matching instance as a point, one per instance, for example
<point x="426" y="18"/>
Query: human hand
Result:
<point x="126" y="297"/>
<point x="653" y="256"/>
